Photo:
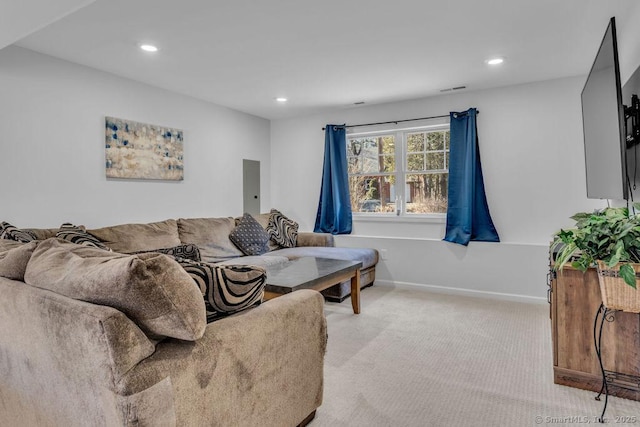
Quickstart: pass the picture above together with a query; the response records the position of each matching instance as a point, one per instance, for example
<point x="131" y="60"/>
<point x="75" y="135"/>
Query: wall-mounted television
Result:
<point x="603" y="119"/>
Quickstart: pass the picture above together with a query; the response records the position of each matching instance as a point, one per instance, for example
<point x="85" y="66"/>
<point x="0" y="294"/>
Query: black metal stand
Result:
<point x="601" y="315"/>
<point x="617" y="380"/>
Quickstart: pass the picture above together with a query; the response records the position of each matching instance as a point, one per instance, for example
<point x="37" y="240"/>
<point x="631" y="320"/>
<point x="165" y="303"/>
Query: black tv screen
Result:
<point x="603" y="123"/>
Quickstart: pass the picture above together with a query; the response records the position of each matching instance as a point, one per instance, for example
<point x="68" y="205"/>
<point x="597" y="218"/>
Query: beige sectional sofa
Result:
<point x="71" y="355"/>
<point x="211" y="235"/>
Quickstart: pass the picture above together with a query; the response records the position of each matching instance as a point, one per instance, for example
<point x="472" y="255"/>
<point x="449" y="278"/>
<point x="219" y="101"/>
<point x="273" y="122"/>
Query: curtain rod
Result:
<point x="395" y="122"/>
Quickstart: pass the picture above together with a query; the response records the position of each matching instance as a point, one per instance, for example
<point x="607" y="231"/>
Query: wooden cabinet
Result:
<point x="575" y="299"/>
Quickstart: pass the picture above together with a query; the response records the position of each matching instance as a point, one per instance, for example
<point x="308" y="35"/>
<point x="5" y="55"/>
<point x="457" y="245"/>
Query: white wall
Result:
<point x="628" y="31"/>
<point x="52" y="162"/>
<point x="629" y="53"/>
<point x="531" y="145"/>
<point x="533" y="164"/>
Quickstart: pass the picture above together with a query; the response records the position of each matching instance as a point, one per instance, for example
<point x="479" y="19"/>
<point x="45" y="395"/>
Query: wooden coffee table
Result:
<point x="313" y="273"/>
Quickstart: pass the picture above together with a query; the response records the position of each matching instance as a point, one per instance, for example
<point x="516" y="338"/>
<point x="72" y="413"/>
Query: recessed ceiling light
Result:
<point x="148" y="48"/>
<point x="281" y="99"/>
<point x="495" y="61"/>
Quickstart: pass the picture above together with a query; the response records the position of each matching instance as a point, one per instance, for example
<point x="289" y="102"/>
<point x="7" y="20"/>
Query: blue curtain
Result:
<point x="334" y="207"/>
<point x="468" y="216"/>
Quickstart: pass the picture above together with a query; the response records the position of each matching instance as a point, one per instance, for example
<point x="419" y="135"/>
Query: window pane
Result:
<point x="388" y="145"/>
<point x="435" y="141"/>
<point x="354" y="146"/>
<point x="435" y="161"/>
<point x="389" y="164"/>
<point x="373" y="154"/>
<point x="355" y="165"/>
<point x="415" y="142"/>
<point x="415" y="162"/>
<point x="426" y="193"/>
<point x="447" y="139"/>
<point x="369" y="155"/>
<point x="372" y="193"/>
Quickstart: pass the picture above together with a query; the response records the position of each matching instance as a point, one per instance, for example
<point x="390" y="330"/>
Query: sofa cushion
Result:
<point x="226" y="289"/>
<point x="187" y="251"/>
<point x="258" y="260"/>
<point x="79" y="236"/>
<point x="6" y="245"/>
<point x="211" y="235"/>
<point x="368" y="257"/>
<point x="43" y="233"/>
<point x="151" y="289"/>
<point x="126" y="238"/>
<point x="282" y="230"/>
<point x="249" y="236"/>
<point x="308" y="238"/>
<point x="13" y="261"/>
<point x="9" y="232"/>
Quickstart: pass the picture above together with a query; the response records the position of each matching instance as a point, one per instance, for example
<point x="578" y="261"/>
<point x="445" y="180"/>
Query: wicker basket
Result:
<point x="616" y="294"/>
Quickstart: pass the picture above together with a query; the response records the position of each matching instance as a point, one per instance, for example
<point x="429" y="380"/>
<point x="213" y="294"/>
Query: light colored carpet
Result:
<point x="418" y="358"/>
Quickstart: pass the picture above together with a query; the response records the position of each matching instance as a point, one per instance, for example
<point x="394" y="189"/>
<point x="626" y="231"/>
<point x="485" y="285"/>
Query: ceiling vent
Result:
<point x="453" y="88"/>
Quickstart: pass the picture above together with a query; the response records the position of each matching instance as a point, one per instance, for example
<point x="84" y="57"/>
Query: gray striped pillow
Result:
<point x="282" y="230"/>
<point x="74" y="234"/>
<point x="226" y="289"/>
<point x="9" y="232"/>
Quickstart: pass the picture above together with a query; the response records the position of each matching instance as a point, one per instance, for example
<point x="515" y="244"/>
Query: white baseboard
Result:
<point x="462" y="291"/>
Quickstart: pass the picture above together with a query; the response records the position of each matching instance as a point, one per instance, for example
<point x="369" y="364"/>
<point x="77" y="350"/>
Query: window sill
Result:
<point x="391" y="218"/>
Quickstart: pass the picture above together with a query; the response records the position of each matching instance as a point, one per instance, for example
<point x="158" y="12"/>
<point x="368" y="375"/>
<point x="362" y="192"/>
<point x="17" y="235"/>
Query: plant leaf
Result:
<point x="617" y="255"/>
<point x="582" y="263"/>
<point x="580" y="216"/>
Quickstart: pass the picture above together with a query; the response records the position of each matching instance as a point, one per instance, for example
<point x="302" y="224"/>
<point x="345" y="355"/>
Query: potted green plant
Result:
<point x="609" y="240"/>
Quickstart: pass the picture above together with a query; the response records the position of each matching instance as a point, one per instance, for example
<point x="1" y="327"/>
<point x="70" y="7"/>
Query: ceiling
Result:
<point x="19" y="18"/>
<point x="328" y="54"/>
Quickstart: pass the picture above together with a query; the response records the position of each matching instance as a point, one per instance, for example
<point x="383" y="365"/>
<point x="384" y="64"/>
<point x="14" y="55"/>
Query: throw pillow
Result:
<point x="187" y="251"/>
<point x="263" y="220"/>
<point x="8" y="231"/>
<point x="79" y="236"/>
<point x="13" y="262"/>
<point x="226" y="289"/>
<point x="250" y="237"/>
<point x="151" y="289"/>
<point x="282" y="230"/>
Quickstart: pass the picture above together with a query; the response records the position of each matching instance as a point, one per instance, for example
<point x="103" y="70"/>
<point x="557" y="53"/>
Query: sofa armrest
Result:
<point x="60" y="358"/>
<point x="315" y="239"/>
<point x="263" y="366"/>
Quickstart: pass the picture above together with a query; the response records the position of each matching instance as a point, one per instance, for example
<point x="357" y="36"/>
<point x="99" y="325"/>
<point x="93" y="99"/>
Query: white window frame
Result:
<point x="400" y="135"/>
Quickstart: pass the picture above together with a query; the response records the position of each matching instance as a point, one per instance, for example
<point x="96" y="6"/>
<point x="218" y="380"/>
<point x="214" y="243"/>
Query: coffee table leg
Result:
<point x="355" y="292"/>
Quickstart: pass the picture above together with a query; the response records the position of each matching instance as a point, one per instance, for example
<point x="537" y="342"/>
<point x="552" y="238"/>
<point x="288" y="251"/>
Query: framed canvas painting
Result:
<point x="142" y="151"/>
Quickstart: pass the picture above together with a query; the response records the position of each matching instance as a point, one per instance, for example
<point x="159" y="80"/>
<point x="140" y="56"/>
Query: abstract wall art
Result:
<point x="142" y="151"/>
